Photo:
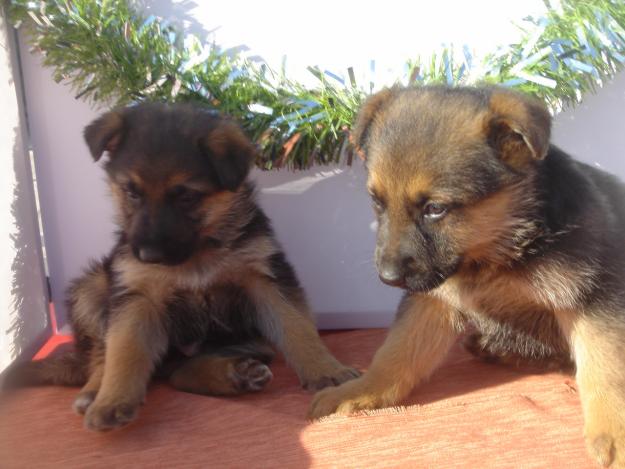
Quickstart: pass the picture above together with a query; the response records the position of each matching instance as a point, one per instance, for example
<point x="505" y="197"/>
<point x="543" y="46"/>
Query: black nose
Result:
<point x="391" y="275"/>
<point x="150" y="254"/>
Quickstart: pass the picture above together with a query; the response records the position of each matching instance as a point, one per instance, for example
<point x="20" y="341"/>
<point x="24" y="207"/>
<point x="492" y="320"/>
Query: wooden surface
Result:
<point x="471" y="414"/>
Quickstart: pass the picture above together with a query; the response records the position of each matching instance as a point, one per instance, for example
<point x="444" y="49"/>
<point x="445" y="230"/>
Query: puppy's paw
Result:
<point x="250" y="375"/>
<point x="331" y="375"/>
<point x="106" y="416"/>
<point x="345" y="399"/>
<point x="82" y="402"/>
<point x="605" y="438"/>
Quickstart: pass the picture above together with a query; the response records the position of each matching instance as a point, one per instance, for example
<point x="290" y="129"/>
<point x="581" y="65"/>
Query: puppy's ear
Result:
<point x="368" y="113"/>
<point x="230" y="153"/>
<point x="104" y="134"/>
<point x="518" y="127"/>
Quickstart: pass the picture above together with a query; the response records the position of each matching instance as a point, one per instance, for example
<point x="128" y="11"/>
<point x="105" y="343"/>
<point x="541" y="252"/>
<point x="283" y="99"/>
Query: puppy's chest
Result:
<point x="219" y="314"/>
<point x="496" y="297"/>
<point x="156" y="281"/>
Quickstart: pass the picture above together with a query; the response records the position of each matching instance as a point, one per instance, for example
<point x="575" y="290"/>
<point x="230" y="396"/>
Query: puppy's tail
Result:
<point x="68" y="369"/>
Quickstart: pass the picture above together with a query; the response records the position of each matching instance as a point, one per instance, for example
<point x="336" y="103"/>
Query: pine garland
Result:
<point x="113" y="55"/>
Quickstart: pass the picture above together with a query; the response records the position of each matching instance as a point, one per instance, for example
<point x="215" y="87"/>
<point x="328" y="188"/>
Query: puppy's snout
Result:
<point x="392" y="272"/>
<point x="150" y="254"/>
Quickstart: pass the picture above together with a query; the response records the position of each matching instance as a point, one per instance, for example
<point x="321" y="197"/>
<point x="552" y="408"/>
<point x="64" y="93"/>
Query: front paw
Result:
<point x="345" y="399"/>
<point x="107" y="416"/>
<point x="605" y="438"/>
<point x="331" y="375"/>
<point x="82" y="401"/>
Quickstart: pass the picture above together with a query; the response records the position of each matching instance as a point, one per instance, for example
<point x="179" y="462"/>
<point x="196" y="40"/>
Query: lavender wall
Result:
<point x="595" y="130"/>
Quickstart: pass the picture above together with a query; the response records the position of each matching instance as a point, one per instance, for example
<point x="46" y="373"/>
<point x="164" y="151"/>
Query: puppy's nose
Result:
<point x="391" y="275"/>
<point x="150" y="254"/>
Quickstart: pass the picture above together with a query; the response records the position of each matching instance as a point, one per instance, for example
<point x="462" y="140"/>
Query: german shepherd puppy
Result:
<point x="481" y="220"/>
<point x="197" y="283"/>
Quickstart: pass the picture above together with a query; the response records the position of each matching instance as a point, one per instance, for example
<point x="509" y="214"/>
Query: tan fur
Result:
<point x="415" y="185"/>
<point x="135" y="177"/>
<point x="104" y="134"/>
<point x="486" y="223"/>
<point x="134" y="341"/>
<point x="119" y="203"/>
<point x="219" y="376"/>
<point x="228" y="136"/>
<point x="215" y="208"/>
<point x="371" y="109"/>
<point x="206" y="375"/>
<point x="177" y="179"/>
<point x="88" y="392"/>
<point x="525" y="117"/>
<point x="199" y="273"/>
<point x="91" y="294"/>
<point x="416" y="344"/>
<point x="598" y="353"/>
<point x="418" y="185"/>
<point x="291" y="328"/>
<point x="549" y="286"/>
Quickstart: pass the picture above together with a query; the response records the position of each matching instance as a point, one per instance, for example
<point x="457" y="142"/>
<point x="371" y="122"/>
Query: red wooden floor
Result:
<point x="471" y="414"/>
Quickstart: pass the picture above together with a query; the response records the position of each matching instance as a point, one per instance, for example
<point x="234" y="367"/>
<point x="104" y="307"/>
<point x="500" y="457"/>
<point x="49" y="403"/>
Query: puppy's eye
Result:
<point x="434" y="211"/>
<point x="132" y="191"/>
<point x="184" y="196"/>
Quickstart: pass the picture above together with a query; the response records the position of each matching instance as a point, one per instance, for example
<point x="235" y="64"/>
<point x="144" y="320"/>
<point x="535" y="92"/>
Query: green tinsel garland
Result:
<point x="111" y="54"/>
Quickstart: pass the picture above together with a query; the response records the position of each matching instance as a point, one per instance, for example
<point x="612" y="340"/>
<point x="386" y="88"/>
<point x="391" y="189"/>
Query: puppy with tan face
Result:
<point x="482" y="221"/>
<point x="197" y="286"/>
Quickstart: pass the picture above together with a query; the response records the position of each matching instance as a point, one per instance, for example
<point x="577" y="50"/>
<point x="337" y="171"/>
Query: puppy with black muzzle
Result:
<point x="197" y="285"/>
<point x="481" y="220"/>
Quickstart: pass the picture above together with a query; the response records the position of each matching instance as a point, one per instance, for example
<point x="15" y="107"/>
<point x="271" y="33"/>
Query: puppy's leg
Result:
<point x="87" y="394"/>
<point x="135" y="341"/>
<point x="283" y="318"/>
<point x="417" y="342"/>
<point x="225" y="372"/>
<point x="88" y="299"/>
<point x="598" y="344"/>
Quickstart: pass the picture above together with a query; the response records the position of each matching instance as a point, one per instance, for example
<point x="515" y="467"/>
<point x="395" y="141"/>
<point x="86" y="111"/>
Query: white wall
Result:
<point x="322" y="216"/>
